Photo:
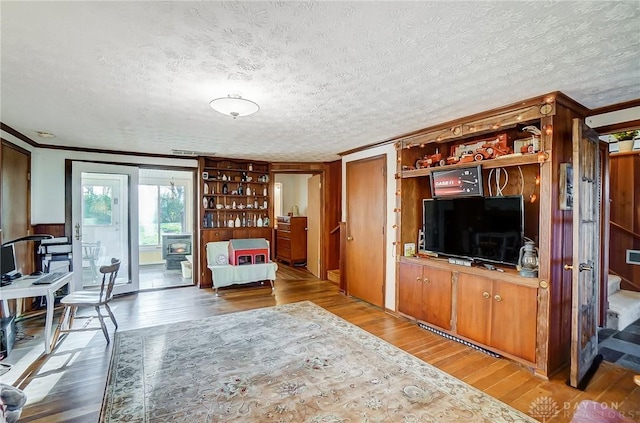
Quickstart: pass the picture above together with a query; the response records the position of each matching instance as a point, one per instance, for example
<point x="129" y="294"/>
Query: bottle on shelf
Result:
<point x="237" y="222"/>
<point x="212" y="203"/>
<point x="218" y="221"/>
<point x="244" y="220"/>
<point x="259" y="222"/>
<point x="255" y="204"/>
<point x="240" y="189"/>
<point x="206" y="188"/>
<point x="248" y="190"/>
<point x="225" y="189"/>
<point x="250" y="167"/>
<point x="264" y="191"/>
<point x="205" y="202"/>
<point x="265" y="223"/>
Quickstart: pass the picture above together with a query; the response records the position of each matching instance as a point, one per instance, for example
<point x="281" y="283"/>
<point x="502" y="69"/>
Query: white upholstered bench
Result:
<point x="223" y="274"/>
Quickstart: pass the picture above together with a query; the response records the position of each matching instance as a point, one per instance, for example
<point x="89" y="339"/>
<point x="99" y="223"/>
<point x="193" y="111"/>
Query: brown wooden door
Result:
<point x="410" y="290"/>
<point x="313" y="225"/>
<point x="473" y="302"/>
<point x="586" y="251"/>
<point x="16" y="209"/>
<point x="513" y="319"/>
<point x="437" y="297"/>
<point x="366" y="218"/>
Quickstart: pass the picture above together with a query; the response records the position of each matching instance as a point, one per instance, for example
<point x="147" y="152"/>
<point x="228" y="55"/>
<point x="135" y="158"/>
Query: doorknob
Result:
<point x="568" y="267"/>
<point x="349" y="238"/>
<point x="78" y="236"/>
<point x="584" y="266"/>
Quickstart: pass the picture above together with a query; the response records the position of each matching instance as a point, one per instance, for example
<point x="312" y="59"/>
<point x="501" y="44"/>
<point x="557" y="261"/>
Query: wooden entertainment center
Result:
<point x="523" y="318"/>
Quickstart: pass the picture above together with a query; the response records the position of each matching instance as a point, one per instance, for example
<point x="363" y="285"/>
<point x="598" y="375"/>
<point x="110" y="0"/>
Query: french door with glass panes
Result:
<point x="105" y="223"/>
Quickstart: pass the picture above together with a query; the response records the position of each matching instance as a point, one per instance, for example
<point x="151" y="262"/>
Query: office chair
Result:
<point x="90" y="298"/>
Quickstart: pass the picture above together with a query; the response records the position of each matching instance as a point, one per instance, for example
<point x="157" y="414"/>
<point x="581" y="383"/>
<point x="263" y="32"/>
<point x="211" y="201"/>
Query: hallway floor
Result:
<point x="154" y="276"/>
<point x="621" y="347"/>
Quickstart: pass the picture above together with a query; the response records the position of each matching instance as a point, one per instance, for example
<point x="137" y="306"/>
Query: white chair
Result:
<point x="90" y="298"/>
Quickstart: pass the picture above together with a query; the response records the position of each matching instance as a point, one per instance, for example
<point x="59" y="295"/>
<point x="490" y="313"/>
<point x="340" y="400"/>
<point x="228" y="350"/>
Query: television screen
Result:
<point x="486" y="229"/>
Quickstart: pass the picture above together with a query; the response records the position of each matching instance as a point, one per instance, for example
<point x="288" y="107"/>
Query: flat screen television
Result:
<point x="484" y="229"/>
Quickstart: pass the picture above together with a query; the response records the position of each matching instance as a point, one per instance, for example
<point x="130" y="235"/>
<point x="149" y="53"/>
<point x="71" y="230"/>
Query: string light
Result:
<point x="460" y="129"/>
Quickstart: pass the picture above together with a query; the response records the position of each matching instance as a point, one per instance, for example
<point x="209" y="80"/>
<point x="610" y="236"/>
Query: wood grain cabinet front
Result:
<point x="425" y="293"/>
<point x="498" y="314"/>
<point x="291" y="239"/>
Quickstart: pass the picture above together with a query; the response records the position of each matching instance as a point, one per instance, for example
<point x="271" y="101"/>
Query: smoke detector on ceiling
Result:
<point x="43" y="134"/>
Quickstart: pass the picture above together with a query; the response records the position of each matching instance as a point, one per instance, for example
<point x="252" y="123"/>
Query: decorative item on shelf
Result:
<point x="264" y="191"/>
<point x="219" y="206"/>
<point x="233" y="205"/>
<point x="206" y="189"/>
<point x="212" y="203"/>
<point x="205" y="175"/>
<point x="225" y="189"/>
<point x="230" y="224"/>
<point x="259" y="222"/>
<point x="237" y="222"/>
<point x="248" y="190"/>
<point x="244" y="177"/>
<point x="205" y="202"/>
<point x="265" y="222"/>
<point x="264" y="204"/>
<point x="250" y="167"/>
<point x="295" y="211"/>
<point x="255" y="204"/>
<point x="528" y="260"/>
<point x="224" y="177"/>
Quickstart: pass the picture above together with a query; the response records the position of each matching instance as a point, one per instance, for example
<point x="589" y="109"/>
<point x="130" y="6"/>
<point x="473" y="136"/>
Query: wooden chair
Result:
<point x="90" y="298"/>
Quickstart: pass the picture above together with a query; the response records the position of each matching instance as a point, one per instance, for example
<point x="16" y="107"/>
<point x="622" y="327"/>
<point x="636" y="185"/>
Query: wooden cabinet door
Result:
<point x="410" y="290"/>
<point x="473" y="312"/>
<point x="513" y="320"/>
<point x="436" y="296"/>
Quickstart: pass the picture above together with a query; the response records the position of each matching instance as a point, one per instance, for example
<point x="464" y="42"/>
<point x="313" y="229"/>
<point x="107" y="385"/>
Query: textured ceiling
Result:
<point x="328" y="76"/>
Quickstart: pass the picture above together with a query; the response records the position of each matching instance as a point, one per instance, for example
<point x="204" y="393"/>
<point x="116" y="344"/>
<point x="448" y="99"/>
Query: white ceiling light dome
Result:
<point x="234" y="105"/>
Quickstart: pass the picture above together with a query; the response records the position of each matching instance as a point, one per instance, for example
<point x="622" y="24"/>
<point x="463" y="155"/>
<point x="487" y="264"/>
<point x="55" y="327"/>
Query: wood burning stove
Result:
<point x="175" y="249"/>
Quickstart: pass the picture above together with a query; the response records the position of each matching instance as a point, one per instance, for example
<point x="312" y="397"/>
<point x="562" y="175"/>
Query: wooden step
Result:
<point x="334" y="275"/>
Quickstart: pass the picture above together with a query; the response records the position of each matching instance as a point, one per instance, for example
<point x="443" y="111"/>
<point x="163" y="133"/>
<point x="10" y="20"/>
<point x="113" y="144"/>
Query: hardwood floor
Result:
<point x="68" y="385"/>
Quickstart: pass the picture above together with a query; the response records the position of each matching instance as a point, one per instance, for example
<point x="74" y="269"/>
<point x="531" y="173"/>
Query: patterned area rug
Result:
<point x="290" y="363"/>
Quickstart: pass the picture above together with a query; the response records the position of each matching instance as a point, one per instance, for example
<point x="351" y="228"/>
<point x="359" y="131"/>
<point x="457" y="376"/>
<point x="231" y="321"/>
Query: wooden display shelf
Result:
<point x="515" y="160"/>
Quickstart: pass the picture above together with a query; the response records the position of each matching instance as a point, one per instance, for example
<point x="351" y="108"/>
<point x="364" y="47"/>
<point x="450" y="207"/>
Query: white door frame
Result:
<point x="128" y="280"/>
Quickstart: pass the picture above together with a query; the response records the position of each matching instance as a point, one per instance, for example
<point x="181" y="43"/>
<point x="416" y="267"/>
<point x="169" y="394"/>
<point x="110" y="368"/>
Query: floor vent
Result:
<point x="462" y="341"/>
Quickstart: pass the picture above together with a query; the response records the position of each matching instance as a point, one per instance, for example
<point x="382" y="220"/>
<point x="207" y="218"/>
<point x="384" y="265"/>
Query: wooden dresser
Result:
<point x="291" y="241"/>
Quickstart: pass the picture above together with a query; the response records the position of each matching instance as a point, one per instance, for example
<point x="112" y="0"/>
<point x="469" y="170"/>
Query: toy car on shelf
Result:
<point x="429" y="160"/>
<point x="491" y="151"/>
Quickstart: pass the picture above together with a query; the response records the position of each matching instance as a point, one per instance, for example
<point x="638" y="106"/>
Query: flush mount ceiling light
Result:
<point x="234" y="105"/>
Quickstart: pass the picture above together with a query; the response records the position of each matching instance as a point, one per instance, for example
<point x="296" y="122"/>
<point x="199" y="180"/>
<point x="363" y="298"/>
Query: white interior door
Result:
<point x="313" y="225"/>
<point x="105" y="222"/>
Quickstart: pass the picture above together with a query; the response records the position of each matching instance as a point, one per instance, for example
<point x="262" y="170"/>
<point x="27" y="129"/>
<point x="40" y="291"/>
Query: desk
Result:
<point x="24" y="288"/>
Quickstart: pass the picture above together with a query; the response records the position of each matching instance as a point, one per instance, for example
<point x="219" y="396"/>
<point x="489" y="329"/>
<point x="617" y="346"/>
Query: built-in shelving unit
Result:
<point x="235" y="202"/>
<point x="524" y="319"/>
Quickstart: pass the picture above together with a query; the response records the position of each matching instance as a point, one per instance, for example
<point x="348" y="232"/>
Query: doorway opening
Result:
<point x="165" y="228"/>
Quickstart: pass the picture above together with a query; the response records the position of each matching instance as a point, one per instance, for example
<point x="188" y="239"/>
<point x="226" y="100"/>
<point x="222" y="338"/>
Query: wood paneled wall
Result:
<point x="624" y="217"/>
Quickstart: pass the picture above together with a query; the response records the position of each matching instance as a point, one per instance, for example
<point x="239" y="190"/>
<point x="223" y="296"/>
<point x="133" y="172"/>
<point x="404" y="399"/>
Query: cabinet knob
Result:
<point x="497" y="298"/>
<point x="349" y="238"/>
<point x="418" y="279"/>
<point x="485" y="294"/>
<point x="426" y="280"/>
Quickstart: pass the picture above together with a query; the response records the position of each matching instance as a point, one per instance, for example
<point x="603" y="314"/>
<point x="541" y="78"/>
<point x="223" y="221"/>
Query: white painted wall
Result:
<point x="389" y="150"/>
<point x="47" y="175"/>
<point x="294" y="191"/>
